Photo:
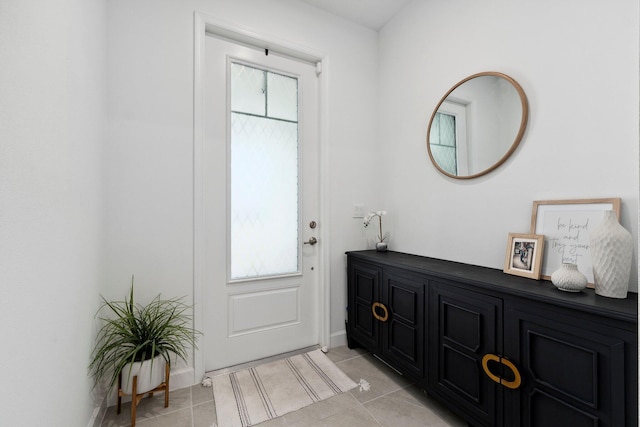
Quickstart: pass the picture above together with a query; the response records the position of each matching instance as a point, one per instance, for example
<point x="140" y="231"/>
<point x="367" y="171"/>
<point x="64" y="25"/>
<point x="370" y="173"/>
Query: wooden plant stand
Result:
<point x="136" y="398"/>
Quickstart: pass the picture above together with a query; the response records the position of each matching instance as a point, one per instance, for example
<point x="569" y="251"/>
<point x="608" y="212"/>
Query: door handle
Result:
<point x="516" y="374"/>
<point x="312" y="241"/>
<point x="382" y="318"/>
<point x="517" y="379"/>
<point x="485" y="366"/>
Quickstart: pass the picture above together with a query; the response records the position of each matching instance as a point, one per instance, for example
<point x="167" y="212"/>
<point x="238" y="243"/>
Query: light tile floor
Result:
<point x="391" y="401"/>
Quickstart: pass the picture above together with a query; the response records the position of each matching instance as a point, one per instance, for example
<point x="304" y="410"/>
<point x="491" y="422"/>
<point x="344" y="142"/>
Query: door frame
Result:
<point x="203" y="24"/>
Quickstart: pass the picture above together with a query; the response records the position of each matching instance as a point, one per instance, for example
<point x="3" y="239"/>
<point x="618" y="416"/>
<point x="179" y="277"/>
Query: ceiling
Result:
<point x="373" y="14"/>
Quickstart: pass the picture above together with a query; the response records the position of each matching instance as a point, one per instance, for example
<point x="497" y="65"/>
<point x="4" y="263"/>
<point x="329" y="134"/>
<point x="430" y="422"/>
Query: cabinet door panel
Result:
<point x="403" y="336"/>
<point x="461" y="373"/>
<point x="549" y="411"/>
<point x="364" y="284"/>
<point x="464" y="326"/>
<point x="569" y="366"/>
<point x="461" y="325"/>
<point x="572" y="371"/>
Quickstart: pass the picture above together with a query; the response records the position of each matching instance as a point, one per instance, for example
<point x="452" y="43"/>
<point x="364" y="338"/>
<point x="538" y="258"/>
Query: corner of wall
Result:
<point x="97" y="416"/>
<point x="338" y="339"/>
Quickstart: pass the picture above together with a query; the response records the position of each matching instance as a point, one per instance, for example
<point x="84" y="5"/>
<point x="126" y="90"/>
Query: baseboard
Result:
<point x="182" y="378"/>
<point x="338" y="339"/>
<point x="98" y="414"/>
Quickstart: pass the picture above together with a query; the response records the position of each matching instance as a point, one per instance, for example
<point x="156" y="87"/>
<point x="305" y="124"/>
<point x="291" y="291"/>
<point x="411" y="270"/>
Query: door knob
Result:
<point x="312" y="241"/>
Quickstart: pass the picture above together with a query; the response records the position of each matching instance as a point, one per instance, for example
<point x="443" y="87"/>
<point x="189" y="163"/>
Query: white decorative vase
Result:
<point x="149" y="377"/>
<point x="611" y="255"/>
<point x="381" y="246"/>
<point x="568" y="278"/>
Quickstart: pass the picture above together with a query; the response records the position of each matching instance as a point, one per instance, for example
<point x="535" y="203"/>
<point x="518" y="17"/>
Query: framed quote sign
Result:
<point x="565" y="225"/>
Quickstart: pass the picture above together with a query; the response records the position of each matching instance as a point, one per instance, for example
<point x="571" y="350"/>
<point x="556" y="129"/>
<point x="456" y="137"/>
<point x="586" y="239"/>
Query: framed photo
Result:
<point x="524" y="255"/>
<point x="565" y="225"/>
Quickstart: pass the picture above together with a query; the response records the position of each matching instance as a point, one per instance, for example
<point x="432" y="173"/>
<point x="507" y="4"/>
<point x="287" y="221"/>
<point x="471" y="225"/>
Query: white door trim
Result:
<point x="209" y="24"/>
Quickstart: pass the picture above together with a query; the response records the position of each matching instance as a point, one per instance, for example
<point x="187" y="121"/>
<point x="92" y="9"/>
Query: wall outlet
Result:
<point x="358" y="211"/>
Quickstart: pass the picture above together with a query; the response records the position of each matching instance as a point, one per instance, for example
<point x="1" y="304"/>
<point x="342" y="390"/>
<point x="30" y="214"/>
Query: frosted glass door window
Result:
<point x="264" y="173"/>
<point x="442" y="142"/>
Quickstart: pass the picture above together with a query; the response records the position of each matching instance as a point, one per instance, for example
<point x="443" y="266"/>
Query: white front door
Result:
<point x="261" y="204"/>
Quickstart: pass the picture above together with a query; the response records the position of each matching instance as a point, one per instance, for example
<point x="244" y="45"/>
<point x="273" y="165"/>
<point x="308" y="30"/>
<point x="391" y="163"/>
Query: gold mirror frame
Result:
<point x="516" y="142"/>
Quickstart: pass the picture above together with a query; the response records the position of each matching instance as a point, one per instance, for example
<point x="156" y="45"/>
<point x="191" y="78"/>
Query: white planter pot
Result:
<point x="150" y="375"/>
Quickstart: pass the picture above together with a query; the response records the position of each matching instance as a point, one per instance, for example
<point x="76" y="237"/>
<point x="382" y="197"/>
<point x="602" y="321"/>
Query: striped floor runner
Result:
<point x="251" y="396"/>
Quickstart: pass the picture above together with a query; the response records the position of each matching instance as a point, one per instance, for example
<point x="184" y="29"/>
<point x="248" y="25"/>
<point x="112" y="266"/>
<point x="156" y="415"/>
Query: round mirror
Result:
<point x="477" y="125"/>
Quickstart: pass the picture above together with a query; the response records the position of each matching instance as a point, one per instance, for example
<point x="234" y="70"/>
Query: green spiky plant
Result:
<point x="133" y="333"/>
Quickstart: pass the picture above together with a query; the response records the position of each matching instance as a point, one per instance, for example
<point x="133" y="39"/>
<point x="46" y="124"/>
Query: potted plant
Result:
<point x="140" y="340"/>
<point x="381" y="245"/>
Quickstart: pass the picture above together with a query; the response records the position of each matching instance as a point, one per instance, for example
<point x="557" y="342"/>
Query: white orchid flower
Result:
<point x="367" y="220"/>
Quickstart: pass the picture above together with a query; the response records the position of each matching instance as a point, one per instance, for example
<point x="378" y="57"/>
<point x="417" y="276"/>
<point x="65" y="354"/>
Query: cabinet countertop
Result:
<point x="497" y="280"/>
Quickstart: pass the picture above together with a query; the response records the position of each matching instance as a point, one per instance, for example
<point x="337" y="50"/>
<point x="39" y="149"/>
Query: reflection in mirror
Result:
<point x="477" y="125"/>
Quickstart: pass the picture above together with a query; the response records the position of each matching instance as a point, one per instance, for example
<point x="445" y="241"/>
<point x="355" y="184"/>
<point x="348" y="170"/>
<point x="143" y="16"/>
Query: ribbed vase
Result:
<point x="568" y="278"/>
<point x="611" y="256"/>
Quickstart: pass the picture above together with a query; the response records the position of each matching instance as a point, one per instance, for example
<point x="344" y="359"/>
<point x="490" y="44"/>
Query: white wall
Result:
<point x="149" y="152"/>
<point x="52" y="112"/>
<point x="576" y="60"/>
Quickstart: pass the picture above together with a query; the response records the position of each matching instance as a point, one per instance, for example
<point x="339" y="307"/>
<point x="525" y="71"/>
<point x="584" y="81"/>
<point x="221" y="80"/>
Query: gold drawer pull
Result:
<point x="517" y="379"/>
<point x="485" y="362"/>
<point x="382" y="307"/>
<point x="509" y="384"/>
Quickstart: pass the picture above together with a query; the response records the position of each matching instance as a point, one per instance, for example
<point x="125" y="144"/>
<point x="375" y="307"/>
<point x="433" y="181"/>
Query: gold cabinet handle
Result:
<point x="517" y="379"/>
<point x="509" y="384"/>
<point x="485" y="366"/>
<point x="382" y="307"/>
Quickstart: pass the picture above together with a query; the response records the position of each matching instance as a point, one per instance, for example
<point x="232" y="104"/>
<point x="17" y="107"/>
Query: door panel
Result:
<point x="259" y="303"/>
<point x="464" y="326"/>
<point x="403" y="339"/>
<point x="364" y="291"/>
<point x="263" y="310"/>
<point x="576" y="371"/>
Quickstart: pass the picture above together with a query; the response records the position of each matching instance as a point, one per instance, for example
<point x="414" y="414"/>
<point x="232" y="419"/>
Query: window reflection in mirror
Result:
<point x="477" y="125"/>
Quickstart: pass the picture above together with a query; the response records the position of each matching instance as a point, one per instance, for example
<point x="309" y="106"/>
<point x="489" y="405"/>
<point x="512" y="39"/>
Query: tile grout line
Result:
<point x="362" y="404"/>
<point x="366" y="410"/>
<point x="441" y="413"/>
